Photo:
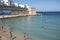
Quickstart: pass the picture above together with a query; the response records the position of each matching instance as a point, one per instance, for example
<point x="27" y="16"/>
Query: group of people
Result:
<point x="1" y="30"/>
<point x="10" y="34"/>
<point x="26" y="37"/>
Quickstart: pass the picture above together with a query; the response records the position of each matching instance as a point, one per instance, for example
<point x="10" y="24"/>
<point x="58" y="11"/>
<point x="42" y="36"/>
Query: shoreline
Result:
<point x="14" y="16"/>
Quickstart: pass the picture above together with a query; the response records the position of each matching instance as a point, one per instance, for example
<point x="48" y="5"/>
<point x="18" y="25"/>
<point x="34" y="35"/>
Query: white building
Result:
<point x="27" y="6"/>
<point x="21" y="5"/>
<point x="6" y="2"/>
<point x="16" y="4"/>
<point x="11" y="3"/>
<point x="1" y="2"/>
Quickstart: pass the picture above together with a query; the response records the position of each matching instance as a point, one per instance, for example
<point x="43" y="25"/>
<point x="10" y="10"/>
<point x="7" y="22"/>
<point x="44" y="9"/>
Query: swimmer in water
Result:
<point x="45" y="27"/>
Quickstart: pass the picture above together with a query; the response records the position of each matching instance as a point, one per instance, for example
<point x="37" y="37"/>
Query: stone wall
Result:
<point x="18" y="10"/>
<point x="32" y="11"/>
<point x="21" y="11"/>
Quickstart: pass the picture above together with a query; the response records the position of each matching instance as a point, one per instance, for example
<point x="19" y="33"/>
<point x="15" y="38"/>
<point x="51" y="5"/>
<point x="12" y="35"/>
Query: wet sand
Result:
<point x="20" y="36"/>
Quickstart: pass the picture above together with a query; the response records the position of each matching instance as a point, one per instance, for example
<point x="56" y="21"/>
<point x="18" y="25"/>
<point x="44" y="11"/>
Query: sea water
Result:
<point x="44" y="27"/>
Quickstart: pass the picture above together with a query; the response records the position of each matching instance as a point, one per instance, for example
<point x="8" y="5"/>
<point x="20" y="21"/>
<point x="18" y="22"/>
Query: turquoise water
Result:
<point x="43" y="27"/>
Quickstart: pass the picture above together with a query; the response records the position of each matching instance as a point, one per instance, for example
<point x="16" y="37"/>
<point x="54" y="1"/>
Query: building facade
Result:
<point x="17" y="9"/>
<point x="31" y="11"/>
<point x="1" y="2"/>
<point x="6" y="2"/>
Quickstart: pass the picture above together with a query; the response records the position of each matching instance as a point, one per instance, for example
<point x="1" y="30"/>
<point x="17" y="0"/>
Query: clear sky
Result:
<point x="42" y="5"/>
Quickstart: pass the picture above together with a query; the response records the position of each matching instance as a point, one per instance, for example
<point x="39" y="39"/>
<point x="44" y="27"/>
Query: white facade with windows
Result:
<point x="21" y="5"/>
<point x="27" y="6"/>
<point x="6" y="2"/>
<point x="11" y="3"/>
<point x="1" y="2"/>
<point x="16" y="4"/>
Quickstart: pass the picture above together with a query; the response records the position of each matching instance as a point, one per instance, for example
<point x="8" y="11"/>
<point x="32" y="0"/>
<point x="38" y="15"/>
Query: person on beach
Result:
<point x="25" y="36"/>
<point x="1" y="29"/>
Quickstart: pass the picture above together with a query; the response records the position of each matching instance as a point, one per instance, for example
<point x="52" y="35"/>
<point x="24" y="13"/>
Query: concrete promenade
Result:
<point x="11" y="16"/>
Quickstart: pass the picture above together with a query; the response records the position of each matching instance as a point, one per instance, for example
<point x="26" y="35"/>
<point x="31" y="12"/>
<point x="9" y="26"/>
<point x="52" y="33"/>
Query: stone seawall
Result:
<point x="11" y="16"/>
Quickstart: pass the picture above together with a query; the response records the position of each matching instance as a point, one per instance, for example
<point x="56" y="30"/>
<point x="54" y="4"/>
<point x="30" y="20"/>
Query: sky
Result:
<point x="42" y="5"/>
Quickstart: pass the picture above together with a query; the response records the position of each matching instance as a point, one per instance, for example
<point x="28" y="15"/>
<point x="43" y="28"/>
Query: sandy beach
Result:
<point x="20" y="36"/>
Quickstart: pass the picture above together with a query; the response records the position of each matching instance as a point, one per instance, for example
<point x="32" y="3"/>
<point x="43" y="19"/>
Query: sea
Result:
<point x="43" y="27"/>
